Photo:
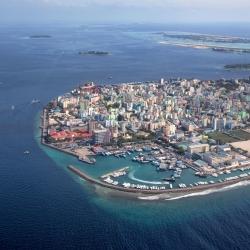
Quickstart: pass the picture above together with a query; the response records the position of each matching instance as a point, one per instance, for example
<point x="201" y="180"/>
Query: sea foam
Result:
<point x="170" y="197"/>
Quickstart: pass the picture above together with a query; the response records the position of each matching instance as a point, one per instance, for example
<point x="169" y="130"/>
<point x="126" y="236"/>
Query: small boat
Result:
<point x="26" y="152"/>
<point x="144" y="161"/>
<point x="87" y="160"/>
<point x="12" y="107"/>
<point x="34" y="101"/>
<point x="172" y="179"/>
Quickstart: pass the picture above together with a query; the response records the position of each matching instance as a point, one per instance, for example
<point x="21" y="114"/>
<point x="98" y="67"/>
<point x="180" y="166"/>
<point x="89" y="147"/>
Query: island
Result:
<point x="226" y="44"/>
<point x="94" y="52"/>
<point x="40" y="36"/>
<point x="183" y="135"/>
<point x="228" y="50"/>
<point x="242" y="66"/>
<point x="205" y="37"/>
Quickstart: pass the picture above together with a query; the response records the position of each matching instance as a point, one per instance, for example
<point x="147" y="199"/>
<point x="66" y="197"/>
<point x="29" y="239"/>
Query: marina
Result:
<point x="169" y="170"/>
<point x="143" y="189"/>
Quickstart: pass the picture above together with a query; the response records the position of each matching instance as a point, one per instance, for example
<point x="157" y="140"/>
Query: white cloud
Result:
<point x="196" y="4"/>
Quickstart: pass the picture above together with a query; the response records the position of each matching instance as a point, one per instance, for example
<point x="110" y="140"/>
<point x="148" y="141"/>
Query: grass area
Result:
<point x="243" y="135"/>
<point x="229" y="137"/>
<point x="222" y="138"/>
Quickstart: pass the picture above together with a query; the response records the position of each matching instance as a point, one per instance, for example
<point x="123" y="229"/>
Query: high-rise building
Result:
<point x="102" y="136"/>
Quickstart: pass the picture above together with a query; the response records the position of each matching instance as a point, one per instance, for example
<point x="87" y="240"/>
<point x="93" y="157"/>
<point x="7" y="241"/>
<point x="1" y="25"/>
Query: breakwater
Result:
<point x="141" y="191"/>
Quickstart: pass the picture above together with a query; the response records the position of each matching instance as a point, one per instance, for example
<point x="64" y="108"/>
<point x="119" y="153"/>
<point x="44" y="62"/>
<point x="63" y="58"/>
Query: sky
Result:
<point x="124" y="11"/>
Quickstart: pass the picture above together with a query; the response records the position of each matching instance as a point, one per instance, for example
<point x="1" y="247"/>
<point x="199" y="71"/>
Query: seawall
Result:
<point x="142" y="191"/>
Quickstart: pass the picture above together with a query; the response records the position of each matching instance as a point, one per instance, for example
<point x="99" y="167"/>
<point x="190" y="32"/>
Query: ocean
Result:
<point x="44" y="206"/>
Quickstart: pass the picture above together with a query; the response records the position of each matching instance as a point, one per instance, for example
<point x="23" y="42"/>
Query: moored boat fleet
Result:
<point x="167" y="184"/>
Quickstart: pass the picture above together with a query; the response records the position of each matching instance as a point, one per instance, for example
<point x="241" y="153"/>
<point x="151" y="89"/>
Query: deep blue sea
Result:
<point x="42" y="205"/>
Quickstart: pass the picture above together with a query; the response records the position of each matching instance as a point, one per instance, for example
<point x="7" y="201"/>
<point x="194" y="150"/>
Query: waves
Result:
<point x="170" y="197"/>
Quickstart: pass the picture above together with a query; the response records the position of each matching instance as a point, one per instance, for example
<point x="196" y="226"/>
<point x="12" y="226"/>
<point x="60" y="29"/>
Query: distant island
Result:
<point x="241" y="66"/>
<point x="225" y="44"/>
<point x="224" y="49"/>
<point x="94" y="52"/>
<point x="205" y="37"/>
<point x="40" y="36"/>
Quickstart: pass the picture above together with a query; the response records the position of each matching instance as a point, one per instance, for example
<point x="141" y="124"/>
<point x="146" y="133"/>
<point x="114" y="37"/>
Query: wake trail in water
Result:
<point x="170" y="197"/>
<point x="132" y="177"/>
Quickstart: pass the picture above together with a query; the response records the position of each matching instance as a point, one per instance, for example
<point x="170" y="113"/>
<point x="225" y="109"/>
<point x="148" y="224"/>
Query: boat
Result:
<point x="156" y="163"/>
<point x="34" y="101"/>
<point x="201" y="174"/>
<point x="176" y="175"/>
<point x="12" y="107"/>
<point x="144" y="161"/>
<point x="26" y="152"/>
<point x="135" y="158"/>
<point x="172" y="179"/>
<point x="87" y="160"/>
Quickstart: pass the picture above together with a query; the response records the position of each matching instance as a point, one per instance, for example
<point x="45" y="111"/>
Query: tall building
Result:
<point x="102" y="136"/>
<point x="91" y="126"/>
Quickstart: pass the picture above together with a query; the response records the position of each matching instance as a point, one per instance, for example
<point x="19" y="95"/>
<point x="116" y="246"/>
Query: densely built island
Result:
<point x="169" y="126"/>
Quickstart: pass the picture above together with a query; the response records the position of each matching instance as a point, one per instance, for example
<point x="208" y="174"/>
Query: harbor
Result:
<point x="151" y="163"/>
<point x="157" y="190"/>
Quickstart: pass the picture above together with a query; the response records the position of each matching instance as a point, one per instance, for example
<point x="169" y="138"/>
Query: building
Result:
<point x="198" y="148"/>
<point x="215" y="159"/>
<point x="102" y="136"/>
<point x="169" y="129"/>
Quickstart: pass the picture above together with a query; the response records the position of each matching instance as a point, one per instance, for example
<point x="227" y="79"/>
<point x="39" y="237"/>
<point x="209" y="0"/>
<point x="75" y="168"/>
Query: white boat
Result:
<point x="34" y="101"/>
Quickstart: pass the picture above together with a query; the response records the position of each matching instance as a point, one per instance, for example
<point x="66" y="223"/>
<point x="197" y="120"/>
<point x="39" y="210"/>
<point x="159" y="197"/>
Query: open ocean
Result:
<point x="42" y="205"/>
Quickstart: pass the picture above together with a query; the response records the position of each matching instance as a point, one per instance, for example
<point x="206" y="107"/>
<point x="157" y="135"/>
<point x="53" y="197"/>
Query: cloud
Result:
<point x="196" y="4"/>
<point x="128" y="10"/>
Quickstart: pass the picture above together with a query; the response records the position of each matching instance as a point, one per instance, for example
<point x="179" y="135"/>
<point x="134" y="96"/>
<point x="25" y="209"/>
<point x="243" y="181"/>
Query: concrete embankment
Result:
<point x="140" y="191"/>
